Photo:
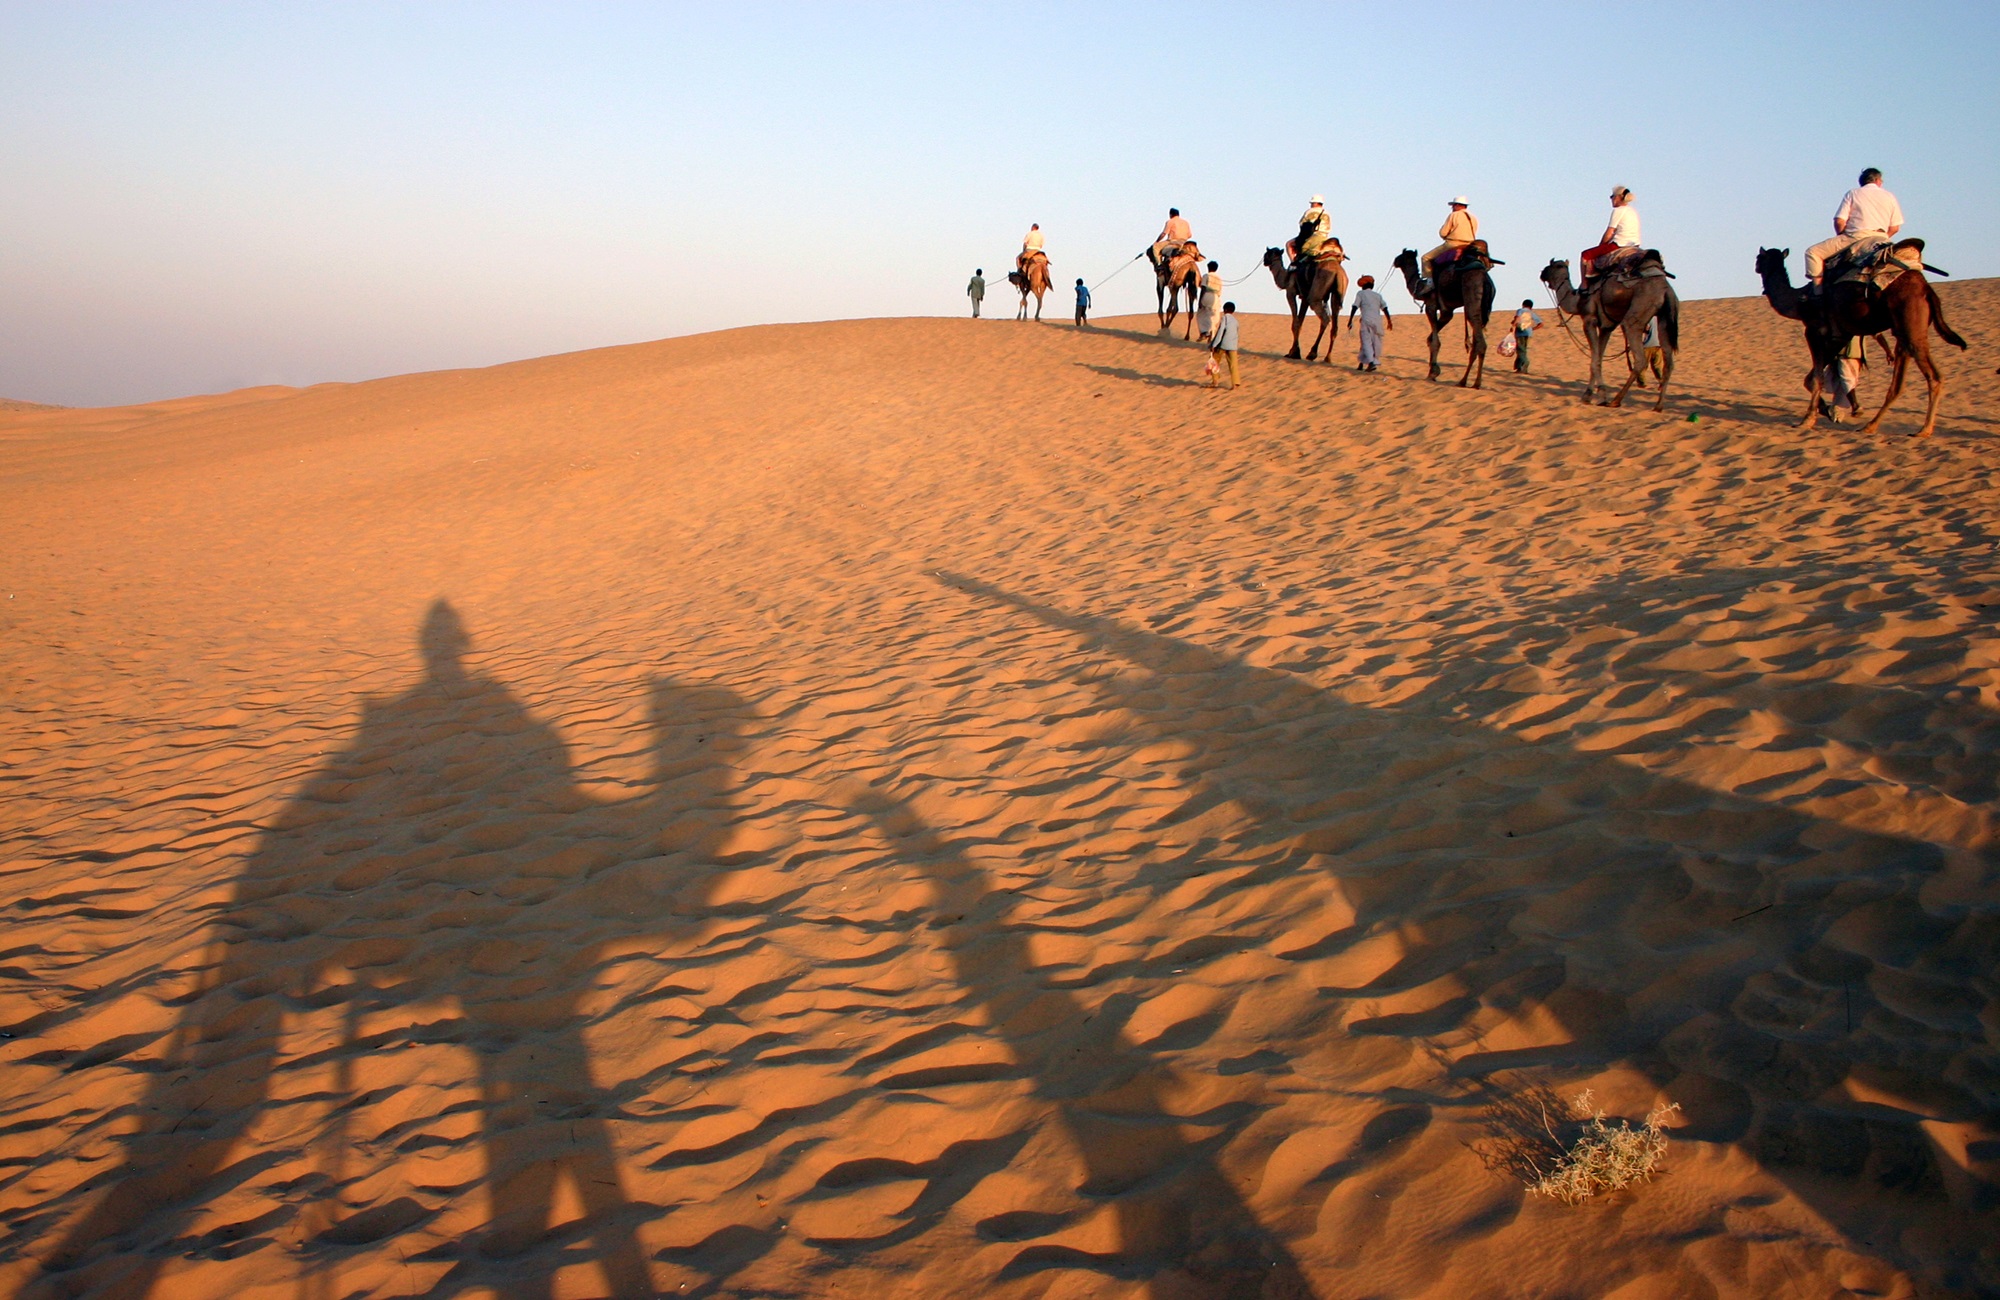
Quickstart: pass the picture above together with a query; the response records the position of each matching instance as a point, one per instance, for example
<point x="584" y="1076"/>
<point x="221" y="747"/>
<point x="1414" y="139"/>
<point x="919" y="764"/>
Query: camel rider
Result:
<point x="1459" y="229"/>
<point x="1315" y="228"/>
<point x="1172" y="235"/>
<point x="1031" y="246"/>
<point x="1867" y="209"/>
<point x="1622" y="231"/>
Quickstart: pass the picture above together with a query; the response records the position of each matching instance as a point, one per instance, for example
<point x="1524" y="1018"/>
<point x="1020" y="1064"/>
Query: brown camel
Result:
<point x="1465" y="283"/>
<point x="1906" y="306"/>
<point x="1628" y="304"/>
<point x="1322" y="288"/>
<point x="1172" y="276"/>
<point x="1035" y="280"/>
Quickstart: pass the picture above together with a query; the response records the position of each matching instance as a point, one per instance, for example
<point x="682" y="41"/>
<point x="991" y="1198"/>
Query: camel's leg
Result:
<point x="1438" y="322"/>
<point x="1635" y="357"/>
<point x="1812" y="396"/>
<point x="1666" y="372"/>
<point x="1298" y="307"/>
<point x="1319" y="310"/>
<point x="1933" y="381"/>
<point x="1895" y="390"/>
<point x="1330" y="325"/>
<point x="1597" y="344"/>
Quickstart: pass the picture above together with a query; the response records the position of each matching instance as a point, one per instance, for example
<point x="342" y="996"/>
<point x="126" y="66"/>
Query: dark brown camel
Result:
<point x="1034" y="280"/>
<point x="1324" y="295"/>
<point x="1171" y="277"/>
<point x="1628" y="304"/>
<point x="1907" y="306"/>
<point x="1461" y="283"/>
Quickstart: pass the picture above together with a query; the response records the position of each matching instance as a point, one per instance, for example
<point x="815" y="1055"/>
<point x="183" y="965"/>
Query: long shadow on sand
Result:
<point x="1181" y="1222"/>
<point x="1140" y="376"/>
<point x="1817" y="993"/>
<point x="439" y="868"/>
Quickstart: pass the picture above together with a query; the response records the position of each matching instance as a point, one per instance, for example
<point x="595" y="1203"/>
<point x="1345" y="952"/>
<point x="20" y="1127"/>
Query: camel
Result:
<point x="1323" y="295"/>
<point x="1171" y="276"/>
<point x="1906" y="306"/>
<point x="1471" y="288"/>
<point x="1034" y="280"/>
<point x="1629" y="305"/>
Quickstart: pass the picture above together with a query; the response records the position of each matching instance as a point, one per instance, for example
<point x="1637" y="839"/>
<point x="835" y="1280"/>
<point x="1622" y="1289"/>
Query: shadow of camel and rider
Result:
<point x="443" y="861"/>
<point x="1777" y="956"/>
<point x="1750" y="959"/>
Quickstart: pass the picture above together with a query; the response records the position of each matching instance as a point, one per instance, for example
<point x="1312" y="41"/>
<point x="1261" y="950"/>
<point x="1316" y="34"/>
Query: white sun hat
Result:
<point x="1462" y="201"/>
<point x="1320" y="199"/>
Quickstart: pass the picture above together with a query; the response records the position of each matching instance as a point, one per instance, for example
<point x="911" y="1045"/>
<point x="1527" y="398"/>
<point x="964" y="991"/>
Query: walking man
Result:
<point x="1082" y="305"/>
<point x="1867" y="209"/>
<point x="1525" y="325"/>
<point x="977" y="290"/>
<point x="1225" y="345"/>
<point x="1373" y="310"/>
<point x="1211" y="298"/>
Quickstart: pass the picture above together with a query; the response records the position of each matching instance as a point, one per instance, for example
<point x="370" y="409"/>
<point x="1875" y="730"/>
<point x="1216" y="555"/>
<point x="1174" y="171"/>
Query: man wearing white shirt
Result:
<point x="1867" y="209"/>
<point x="1031" y="244"/>
<point x="1622" y="231"/>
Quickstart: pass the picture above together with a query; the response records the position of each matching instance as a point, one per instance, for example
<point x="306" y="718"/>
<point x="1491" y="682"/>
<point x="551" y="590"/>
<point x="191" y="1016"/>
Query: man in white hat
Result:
<point x="1315" y="228"/>
<point x="1458" y="230"/>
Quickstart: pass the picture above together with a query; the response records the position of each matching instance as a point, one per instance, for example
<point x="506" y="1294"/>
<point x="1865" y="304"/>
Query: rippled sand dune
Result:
<point x="948" y="808"/>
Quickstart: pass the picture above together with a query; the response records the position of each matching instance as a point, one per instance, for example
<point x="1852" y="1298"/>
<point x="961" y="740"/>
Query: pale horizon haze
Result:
<point x="202" y="197"/>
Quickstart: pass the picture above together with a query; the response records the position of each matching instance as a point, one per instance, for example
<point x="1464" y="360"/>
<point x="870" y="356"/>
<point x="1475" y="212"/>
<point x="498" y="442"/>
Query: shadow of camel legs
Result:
<point x="1179" y="1216"/>
<point x="445" y="860"/>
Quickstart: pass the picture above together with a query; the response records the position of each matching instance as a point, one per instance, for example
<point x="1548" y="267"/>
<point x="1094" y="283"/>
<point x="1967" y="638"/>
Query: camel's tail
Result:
<point x="1670" y="321"/>
<point x="1946" y="332"/>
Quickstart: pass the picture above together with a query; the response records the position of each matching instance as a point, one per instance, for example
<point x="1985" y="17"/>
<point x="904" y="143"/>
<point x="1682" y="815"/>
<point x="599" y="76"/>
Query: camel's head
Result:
<point x="1556" y="272"/>
<point x="1406" y="260"/>
<point x="1274" y="257"/>
<point x="1771" y="261"/>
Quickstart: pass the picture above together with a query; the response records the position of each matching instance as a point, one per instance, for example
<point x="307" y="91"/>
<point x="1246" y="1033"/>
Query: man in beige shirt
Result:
<point x="1458" y="230"/>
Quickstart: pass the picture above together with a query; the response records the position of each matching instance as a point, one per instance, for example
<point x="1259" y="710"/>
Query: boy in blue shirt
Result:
<point x="1082" y="305"/>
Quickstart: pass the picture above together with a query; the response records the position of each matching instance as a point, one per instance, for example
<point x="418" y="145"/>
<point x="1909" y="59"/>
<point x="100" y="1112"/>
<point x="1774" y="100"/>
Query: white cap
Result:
<point x="1462" y="201"/>
<point x="1319" y="200"/>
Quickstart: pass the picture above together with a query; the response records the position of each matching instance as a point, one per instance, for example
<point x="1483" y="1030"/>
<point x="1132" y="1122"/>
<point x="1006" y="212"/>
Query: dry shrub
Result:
<point x="1604" y="1156"/>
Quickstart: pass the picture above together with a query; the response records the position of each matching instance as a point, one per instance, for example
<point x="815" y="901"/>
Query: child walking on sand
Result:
<point x="1224" y="348"/>
<point x="1525" y="325"/>
<point x="1082" y="304"/>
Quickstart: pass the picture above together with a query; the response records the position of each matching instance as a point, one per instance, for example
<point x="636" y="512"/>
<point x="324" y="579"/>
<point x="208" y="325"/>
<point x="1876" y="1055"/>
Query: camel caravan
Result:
<point x="1862" y="283"/>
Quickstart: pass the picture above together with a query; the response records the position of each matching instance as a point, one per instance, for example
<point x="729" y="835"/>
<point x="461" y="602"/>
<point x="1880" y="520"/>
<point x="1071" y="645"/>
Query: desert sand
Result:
<point x="914" y="808"/>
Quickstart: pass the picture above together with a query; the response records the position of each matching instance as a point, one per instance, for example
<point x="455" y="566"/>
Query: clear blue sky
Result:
<point x="202" y="196"/>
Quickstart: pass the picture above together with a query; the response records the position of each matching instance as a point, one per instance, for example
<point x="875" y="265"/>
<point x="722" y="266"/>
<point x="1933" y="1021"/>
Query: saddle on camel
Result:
<point x="1445" y="268"/>
<point x="1620" y="267"/>
<point x="1321" y="252"/>
<point x="1870" y="264"/>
